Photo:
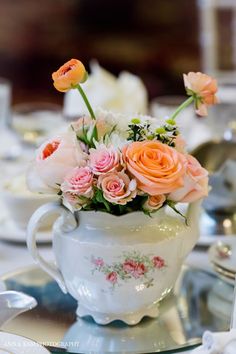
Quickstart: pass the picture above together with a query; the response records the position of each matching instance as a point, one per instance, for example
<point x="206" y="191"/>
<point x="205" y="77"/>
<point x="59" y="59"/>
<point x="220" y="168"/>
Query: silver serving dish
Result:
<point x="212" y="155"/>
<point x="196" y="304"/>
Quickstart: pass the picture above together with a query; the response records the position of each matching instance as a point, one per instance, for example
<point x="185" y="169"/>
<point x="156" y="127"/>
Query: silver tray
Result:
<point x="198" y="302"/>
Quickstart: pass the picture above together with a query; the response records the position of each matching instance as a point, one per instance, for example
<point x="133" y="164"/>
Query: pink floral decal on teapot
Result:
<point x="133" y="266"/>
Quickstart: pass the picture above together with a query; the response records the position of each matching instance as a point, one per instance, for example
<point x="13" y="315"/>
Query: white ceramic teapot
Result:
<point x="117" y="267"/>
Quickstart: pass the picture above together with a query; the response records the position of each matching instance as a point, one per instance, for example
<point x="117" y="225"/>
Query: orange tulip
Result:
<point x="203" y="89"/>
<point x="68" y="75"/>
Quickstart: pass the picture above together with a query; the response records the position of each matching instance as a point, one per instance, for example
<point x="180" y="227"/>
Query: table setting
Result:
<point x="117" y="220"/>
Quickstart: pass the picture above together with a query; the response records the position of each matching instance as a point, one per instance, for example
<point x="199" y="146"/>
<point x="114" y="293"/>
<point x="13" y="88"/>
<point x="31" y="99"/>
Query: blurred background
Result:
<point x="157" y="40"/>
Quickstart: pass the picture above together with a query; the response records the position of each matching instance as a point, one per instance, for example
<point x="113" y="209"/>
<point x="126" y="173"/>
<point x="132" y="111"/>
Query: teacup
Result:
<point x="21" y="203"/>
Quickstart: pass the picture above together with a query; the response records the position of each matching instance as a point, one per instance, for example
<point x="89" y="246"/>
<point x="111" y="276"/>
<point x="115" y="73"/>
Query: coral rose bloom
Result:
<point x="204" y="87"/>
<point x="54" y="159"/>
<point x="158" y="168"/>
<point x="70" y="74"/>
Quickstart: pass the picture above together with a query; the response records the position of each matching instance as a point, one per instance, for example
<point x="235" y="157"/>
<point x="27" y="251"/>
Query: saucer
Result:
<point x="9" y="231"/>
<point x="13" y="344"/>
<point x="227" y="264"/>
<point x="226" y="276"/>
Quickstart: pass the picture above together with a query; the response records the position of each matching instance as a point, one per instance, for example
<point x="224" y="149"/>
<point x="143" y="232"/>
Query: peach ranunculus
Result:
<point x="54" y="159"/>
<point x="79" y="181"/>
<point x="157" y="167"/>
<point x="68" y="75"/>
<point x="203" y="88"/>
<point x="154" y="202"/>
<point x="117" y="187"/>
<point x="103" y="159"/>
<point x="195" y="183"/>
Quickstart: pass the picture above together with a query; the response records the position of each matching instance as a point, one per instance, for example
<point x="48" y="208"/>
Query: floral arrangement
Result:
<point x="119" y="163"/>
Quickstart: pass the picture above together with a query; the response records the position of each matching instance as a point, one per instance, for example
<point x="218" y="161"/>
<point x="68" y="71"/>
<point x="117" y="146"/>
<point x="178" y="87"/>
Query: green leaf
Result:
<point x="122" y="208"/>
<point x="146" y="212"/>
<point x="94" y="136"/>
<point x="171" y="204"/>
<point x="100" y="198"/>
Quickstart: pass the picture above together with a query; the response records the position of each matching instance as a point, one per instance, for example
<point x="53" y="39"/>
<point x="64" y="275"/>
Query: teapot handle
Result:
<point x="33" y="226"/>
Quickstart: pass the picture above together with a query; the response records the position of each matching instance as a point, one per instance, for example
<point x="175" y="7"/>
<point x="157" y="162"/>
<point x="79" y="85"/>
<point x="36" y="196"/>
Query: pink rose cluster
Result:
<point x="135" y="269"/>
<point x="150" y="169"/>
<point x="103" y="171"/>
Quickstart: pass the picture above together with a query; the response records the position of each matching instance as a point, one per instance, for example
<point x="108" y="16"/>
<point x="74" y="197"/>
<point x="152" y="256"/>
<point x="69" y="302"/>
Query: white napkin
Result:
<point x="217" y="343"/>
<point x="125" y="94"/>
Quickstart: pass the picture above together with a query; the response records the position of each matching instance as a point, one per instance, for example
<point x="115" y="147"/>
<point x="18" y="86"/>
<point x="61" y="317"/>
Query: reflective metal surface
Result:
<point x="199" y="301"/>
<point x="213" y="154"/>
<point x="222" y="221"/>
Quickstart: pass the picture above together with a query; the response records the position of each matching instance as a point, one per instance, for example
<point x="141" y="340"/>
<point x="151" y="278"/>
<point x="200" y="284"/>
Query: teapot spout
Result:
<point x="193" y="214"/>
<point x="192" y="236"/>
<point x="13" y="303"/>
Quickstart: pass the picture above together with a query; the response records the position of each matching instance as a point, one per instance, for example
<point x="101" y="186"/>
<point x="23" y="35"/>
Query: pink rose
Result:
<point x="195" y="183"/>
<point x="134" y="268"/>
<point x="117" y="187"/>
<point x="112" y="277"/>
<point x="158" y="262"/>
<point x="99" y="262"/>
<point x="154" y="203"/>
<point x="54" y="159"/>
<point x="129" y="266"/>
<point x="103" y="159"/>
<point x="74" y="202"/>
<point x="79" y="181"/>
<point x="139" y="270"/>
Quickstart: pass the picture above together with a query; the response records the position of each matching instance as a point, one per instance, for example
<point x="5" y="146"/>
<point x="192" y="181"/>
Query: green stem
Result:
<point x="86" y="101"/>
<point x="182" y="106"/>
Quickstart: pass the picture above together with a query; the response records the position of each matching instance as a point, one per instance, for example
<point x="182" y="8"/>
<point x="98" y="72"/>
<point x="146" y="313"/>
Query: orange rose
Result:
<point x="204" y="88"/>
<point x="158" y="168"/>
<point x="154" y="202"/>
<point x="68" y="75"/>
